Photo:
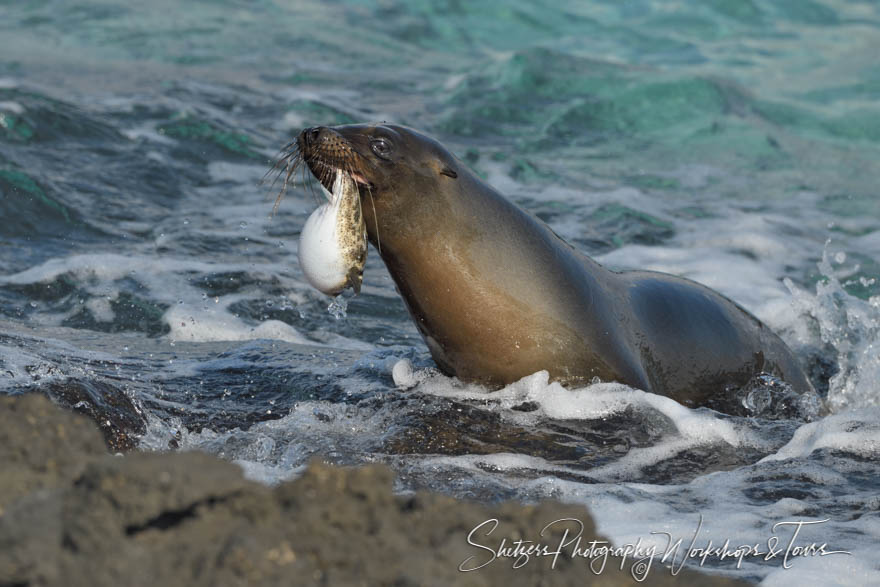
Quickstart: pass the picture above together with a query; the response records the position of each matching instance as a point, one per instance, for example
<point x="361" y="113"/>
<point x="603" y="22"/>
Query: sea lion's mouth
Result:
<point x="324" y="152"/>
<point x="325" y="173"/>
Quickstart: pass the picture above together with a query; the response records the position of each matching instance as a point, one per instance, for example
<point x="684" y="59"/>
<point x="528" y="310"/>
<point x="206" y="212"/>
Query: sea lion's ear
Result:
<point x="448" y="172"/>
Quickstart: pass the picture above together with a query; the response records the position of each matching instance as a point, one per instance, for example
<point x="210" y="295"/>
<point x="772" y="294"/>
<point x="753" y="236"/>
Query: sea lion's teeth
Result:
<point x="358" y="178"/>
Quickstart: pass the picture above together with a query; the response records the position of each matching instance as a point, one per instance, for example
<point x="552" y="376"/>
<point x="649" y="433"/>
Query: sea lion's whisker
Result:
<point x="308" y="180"/>
<point x="375" y="219"/>
<point x="294" y="162"/>
<point x="283" y="160"/>
<point x="325" y="175"/>
<point x="289" y="160"/>
<point x="283" y="189"/>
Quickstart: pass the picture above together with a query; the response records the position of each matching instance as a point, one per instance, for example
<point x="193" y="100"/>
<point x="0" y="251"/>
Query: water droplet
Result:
<point x="338" y="307"/>
<point x="840" y="257"/>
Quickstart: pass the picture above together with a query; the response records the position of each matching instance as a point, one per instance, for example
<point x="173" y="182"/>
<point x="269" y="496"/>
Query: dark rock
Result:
<point x="42" y="446"/>
<point x="454" y="428"/>
<point x="120" y="420"/>
<point x="192" y="519"/>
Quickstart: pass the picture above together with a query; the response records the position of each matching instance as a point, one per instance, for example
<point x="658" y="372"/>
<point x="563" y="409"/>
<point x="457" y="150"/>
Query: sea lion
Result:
<point x="497" y="295"/>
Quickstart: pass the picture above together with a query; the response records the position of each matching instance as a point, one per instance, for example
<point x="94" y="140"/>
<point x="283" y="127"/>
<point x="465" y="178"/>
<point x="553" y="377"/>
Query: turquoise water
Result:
<point x="733" y="142"/>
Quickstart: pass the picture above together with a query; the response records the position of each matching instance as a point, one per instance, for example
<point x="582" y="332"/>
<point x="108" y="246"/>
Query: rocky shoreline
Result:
<point x="72" y="513"/>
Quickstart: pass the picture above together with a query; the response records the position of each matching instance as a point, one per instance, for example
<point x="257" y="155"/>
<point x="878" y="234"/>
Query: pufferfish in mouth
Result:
<point x="333" y="242"/>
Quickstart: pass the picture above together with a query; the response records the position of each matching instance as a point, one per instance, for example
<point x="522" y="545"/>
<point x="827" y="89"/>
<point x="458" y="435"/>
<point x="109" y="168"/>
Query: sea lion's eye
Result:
<point x="381" y="147"/>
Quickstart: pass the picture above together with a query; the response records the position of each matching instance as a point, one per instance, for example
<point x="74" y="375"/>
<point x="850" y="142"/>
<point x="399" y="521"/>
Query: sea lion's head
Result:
<point x="379" y="157"/>
<point x="399" y="172"/>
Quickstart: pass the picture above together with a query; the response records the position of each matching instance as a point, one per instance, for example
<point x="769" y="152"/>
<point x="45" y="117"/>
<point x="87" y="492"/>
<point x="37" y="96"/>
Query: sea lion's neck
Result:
<point x="466" y="261"/>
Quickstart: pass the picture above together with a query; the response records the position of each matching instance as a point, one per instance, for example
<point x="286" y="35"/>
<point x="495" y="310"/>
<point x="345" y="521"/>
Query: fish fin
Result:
<point x="355" y="278"/>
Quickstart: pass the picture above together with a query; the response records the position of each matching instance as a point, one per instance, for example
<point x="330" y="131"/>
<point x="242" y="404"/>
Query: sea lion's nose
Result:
<point x="311" y="135"/>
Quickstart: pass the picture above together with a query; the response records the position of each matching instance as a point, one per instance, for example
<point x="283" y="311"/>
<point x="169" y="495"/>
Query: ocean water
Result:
<point x="733" y="142"/>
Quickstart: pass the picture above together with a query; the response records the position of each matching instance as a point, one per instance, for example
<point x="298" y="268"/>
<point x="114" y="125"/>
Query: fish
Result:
<point x="333" y="241"/>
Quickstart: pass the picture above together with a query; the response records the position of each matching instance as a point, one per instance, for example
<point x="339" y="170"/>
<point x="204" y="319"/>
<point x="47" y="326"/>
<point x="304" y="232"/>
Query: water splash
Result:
<point x="851" y="327"/>
<point x="767" y="396"/>
<point x="338" y="308"/>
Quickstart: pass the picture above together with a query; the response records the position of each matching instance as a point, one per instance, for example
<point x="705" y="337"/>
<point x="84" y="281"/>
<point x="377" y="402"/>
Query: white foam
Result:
<point x="148" y="131"/>
<point x="276" y="450"/>
<point x="497" y="462"/>
<point x="13" y="107"/>
<point x="628" y="512"/>
<point x="100" y="307"/>
<point x="855" y="432"/>
<point x="105" y="266"/>
<point x="268" y="474"/>
<point x="597" y="401"/>
<point x="844" y="570"/>
<point x="18" y="367"/>
<point x="403" y="375"/>
<point x="691" y="428"/>
<point x="191" y="316"/>
<point x="201" y="326"/>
